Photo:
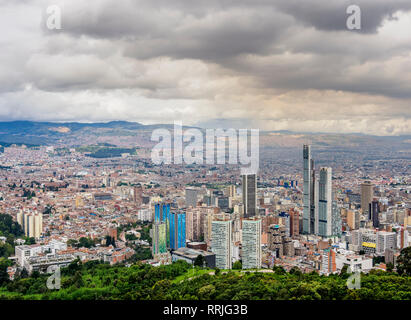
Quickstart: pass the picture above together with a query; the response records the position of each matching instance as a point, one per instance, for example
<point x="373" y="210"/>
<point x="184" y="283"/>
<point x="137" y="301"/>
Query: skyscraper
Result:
<point x="230" y="191"/>
<point x="249" y="194"/>
<point x="162" y="214"/>
<point x="251" y="243"/>
<point x="177" y="230"/>
<point x="325" y="203"/>
<point x="221" y="243"/>
<point x="159" y="238"/>
<point x="336" y="222"/>
<point x="194" y="224"/>
<point x="367" y="194"/>
<point x="308" y="192"/>
<point x="191" y="197"/>
<point x="374" y="210"/>
<point x="294" y="223"/>
<point x="386" y="240"/>
<point x="353" y="219"/>
<point x="161" y="211"/>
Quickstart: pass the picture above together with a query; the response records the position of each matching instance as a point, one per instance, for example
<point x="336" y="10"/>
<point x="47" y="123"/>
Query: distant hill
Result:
<point x="133" y="134"/>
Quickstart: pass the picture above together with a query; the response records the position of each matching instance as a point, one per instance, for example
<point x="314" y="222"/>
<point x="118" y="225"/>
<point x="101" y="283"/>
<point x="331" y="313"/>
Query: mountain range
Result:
<point x="127" y="134"/>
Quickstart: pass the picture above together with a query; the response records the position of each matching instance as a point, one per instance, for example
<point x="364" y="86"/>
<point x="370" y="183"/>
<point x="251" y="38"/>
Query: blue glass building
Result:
<point x="177" y="223"/>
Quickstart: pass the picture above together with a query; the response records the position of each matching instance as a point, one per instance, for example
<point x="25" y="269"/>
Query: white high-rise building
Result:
<point x="251" y="244"/>
<point x="221" y="243"/>
<point x="385" y="240"/>
<point x="325" y="203"/>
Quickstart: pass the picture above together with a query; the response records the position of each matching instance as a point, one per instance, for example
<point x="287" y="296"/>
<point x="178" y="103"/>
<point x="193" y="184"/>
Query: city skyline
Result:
<point x="205" y="151"/>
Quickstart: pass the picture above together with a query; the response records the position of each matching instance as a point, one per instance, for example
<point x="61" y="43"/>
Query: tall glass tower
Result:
<point x="161" y="214"/>
<point x="309" y="206"/>
<point x="325" y="203"/>
<point x="177" y="230"/>
<point x="249" y="195"/>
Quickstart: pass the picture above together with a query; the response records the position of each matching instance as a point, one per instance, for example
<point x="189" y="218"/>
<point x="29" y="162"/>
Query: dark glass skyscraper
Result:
<point x="373" y="213"/>
<point x="308" y="192"/>
<point x="249" y="194"/>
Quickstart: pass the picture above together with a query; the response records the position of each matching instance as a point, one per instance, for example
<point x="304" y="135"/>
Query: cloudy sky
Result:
<point x="268" y="64"/>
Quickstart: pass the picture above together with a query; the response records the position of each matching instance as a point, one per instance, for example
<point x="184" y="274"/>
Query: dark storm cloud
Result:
<point x="331" y="15"/>
<point x="225" y="32"/>
<point x="228" y="59"/>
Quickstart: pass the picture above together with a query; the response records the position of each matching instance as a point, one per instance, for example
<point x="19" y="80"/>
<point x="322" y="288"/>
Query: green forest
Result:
<point x="95" y="280"/>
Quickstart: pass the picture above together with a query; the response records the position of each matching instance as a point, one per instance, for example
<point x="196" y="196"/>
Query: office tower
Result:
<point x="374" y="210"/>
<point x="308" y="192"/>
<point x="222" y="202"/>
<point x="314" y="207"/>
<point x="159" y="238"/>
<point x="353" y="219"/>
<point x="389" y="256"/>
<point x="221" y="243"/>
<point x="161" y="211"/>
<point x="328" y="261"/>
<point x="177" y="222"/>
<point x="230" y="191"/>
<point x="368" y="241"/>
<point x="208" y="219"/>
<point x="208" y="200"/>
<point x="249" y="194"/>
<point x="294" y="223"/>
<point x="367" y="194"/>
<point x="162" y="214"/>
<point x="386" y="240"/>
<point x="325" y="203"/>
<point x="325" y="200"/>
<point x="251" y="244"/>
<point x="285" y="221"/>
<point x="194" y="224"/>
<point x="336" y="222"/>
<point x="191" y="197"/>
<point x="276" y="235"/>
